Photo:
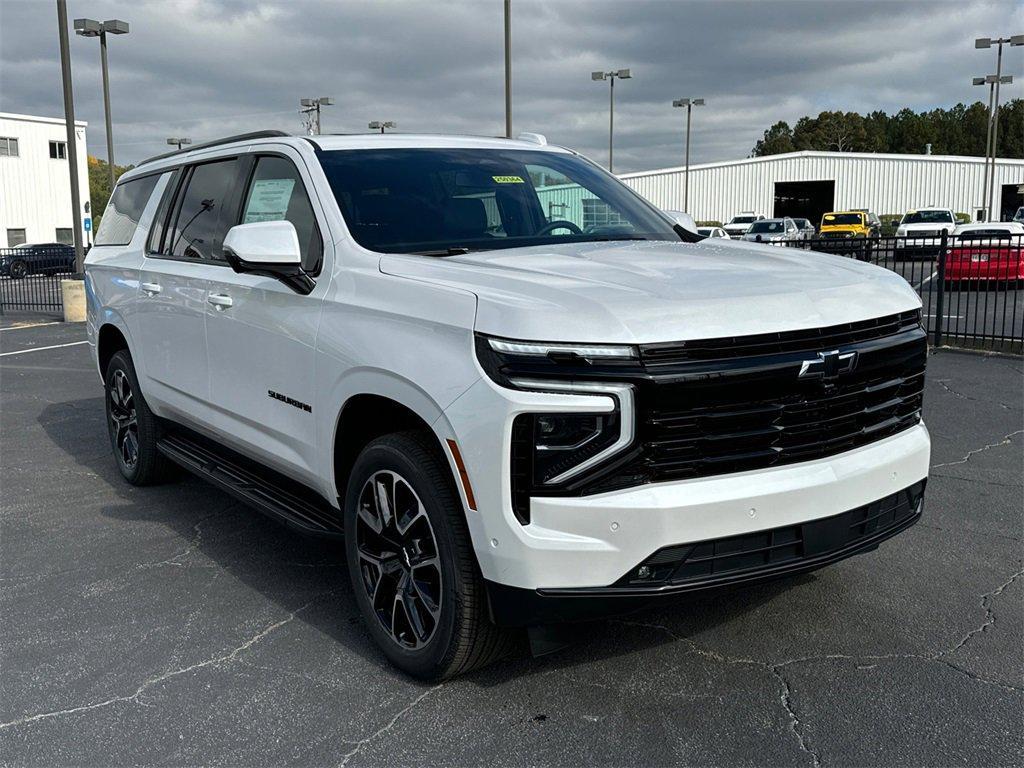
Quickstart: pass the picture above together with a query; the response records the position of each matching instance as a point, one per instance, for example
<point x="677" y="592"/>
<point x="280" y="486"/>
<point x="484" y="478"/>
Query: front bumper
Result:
<point x="592" y="541"/>
<point x="723" y="563"/>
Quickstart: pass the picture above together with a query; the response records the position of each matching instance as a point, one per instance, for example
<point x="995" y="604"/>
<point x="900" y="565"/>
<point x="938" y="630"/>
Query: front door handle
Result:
<point x="151" y="288"/>
<point x="220" y="301"/>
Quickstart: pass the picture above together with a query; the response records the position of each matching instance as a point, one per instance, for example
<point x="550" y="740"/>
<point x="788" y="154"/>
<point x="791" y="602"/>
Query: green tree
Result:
<point x="776" y="140"/>
<point x="99" y="186"/>
<point x="958" y="130"/>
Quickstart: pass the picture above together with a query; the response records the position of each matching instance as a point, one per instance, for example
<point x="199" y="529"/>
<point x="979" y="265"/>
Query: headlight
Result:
<point x="901" y="231"/>
<point x="557" y="449"/>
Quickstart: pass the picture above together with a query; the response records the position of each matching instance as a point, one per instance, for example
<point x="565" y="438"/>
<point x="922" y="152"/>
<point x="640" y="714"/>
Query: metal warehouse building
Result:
<point x="808" y="184"/>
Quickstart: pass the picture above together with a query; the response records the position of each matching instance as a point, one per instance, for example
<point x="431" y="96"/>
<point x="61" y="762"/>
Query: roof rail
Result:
<point x="217" y="143"/>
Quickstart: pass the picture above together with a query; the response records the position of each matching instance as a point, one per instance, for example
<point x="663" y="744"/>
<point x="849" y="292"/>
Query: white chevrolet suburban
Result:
<point x="517" y="391"/>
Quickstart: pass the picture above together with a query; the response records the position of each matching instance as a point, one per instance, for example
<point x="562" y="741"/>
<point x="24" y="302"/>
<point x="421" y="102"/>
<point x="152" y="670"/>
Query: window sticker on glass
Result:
<point x="508" y="179"/>
<point x="268" y="200"/>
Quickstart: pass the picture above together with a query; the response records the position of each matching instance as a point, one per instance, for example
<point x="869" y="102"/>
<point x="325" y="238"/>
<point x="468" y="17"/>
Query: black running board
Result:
<point x="269" y="492"/>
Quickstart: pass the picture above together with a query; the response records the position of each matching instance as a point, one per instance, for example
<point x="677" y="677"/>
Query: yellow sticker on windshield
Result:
<point x="508" y="179"/>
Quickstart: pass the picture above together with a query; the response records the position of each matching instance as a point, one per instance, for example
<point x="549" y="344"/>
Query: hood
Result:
<point x="642" y="292"/>
<point x="735" y="227"/>
<point x="929" y="226"/>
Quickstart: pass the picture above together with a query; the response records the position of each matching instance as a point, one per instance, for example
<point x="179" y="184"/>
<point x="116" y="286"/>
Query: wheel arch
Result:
<point x="367" y="415"/>
<point x="110" y="339"/>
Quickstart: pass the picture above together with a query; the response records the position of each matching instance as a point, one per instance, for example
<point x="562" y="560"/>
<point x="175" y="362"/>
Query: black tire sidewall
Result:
<point x="392" y="453"/>
<point x="18" y="270"/>
<point x="151" y="466"/>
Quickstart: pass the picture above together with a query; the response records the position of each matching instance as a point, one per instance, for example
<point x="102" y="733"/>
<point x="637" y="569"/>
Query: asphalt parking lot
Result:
<point x="171" y="625"/>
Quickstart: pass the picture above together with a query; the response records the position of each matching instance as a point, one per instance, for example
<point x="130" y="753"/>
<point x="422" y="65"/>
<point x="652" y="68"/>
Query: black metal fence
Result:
<point x="970" y="285"/>
<point x="30" y="277"/>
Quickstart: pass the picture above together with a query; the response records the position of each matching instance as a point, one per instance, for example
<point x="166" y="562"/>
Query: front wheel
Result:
<point x="134" y="430"/>
<point x="411" y="561"/>
<point x="18" y="270"/>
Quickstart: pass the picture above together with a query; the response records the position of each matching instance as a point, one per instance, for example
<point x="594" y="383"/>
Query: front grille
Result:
<point x="762" y="418"/>
<point x="836" y="235"/>
<point x="718" y="406"/>
<point x="808" y="340"/>
<point x="776" y="547"/>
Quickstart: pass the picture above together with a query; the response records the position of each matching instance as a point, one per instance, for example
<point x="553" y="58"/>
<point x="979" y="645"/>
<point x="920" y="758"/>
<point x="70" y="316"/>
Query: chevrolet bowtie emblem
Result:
<point x="829" y="365"/>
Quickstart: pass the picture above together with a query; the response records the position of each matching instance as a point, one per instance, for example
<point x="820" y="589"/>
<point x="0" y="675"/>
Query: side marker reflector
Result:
<point x="463" y="475"/>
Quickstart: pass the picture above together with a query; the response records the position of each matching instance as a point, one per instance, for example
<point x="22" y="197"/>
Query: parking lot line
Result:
<point x="42" y="349"/>
<point x="29" y="325"/>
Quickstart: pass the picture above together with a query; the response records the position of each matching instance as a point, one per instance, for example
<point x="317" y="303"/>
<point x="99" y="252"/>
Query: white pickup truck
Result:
<point x="518" y="393"/>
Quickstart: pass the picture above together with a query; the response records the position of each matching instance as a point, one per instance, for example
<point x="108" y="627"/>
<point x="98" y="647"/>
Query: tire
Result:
<point x="133" y="428"/>
<point x="427" y="639"/>
<point x="18" y="270"/>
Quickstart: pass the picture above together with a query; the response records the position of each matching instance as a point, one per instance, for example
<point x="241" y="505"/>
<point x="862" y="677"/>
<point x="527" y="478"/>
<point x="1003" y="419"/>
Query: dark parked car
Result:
<point x="36" y="259"/>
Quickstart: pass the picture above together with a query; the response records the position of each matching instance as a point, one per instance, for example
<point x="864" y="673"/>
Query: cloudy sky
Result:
<point x="207" y="68"/>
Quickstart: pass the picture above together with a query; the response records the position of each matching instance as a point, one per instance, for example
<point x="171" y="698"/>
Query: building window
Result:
<point x="8" y="147"/>
<point x="58" y="150"/>
<point x="15" y="237"/>
<point x="65" y="236"/>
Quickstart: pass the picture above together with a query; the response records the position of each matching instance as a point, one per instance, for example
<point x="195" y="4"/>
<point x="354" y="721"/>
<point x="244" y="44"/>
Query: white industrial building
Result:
<point x="35" y="183"/>
<point x="808" y="184"/>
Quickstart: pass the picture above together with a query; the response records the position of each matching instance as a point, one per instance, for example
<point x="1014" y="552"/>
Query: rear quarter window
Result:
<point x="122" y="214"/>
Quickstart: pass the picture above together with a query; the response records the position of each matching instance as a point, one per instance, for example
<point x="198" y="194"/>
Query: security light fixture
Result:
<point x="179" y="142"/>
<point x="378" y="125"/>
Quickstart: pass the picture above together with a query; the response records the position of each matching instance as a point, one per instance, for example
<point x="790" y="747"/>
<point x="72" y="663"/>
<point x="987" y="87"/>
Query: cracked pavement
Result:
<point x="172" y="625"/>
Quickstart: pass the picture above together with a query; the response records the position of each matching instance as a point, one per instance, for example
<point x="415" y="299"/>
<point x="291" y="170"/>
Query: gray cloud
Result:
<point x="214" y="67"/>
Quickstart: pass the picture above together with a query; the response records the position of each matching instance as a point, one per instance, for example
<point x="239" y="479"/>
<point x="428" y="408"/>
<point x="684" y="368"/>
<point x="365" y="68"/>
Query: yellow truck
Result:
<point x="847" y="224"/>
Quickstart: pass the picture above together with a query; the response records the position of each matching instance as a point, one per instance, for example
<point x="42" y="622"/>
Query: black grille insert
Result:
<point x="734" y="555"/>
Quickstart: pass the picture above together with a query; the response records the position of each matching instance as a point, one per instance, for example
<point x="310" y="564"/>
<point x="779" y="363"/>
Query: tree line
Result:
<point x="959" y="130"/>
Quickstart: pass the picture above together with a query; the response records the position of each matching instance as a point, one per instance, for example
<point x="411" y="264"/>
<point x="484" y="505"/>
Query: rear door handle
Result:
<point x="220" y="301"/>
<point x="151" y="288"/>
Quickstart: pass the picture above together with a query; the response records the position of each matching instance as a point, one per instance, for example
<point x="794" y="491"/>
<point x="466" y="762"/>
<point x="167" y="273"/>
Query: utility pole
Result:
<point x="988" y="139"/>
<point x="508" y="69"/>
<point x="69" y="123"/>
<point x="622" y="74"/>
<point x="311" y="109"/>
<point x="689" y="104"/>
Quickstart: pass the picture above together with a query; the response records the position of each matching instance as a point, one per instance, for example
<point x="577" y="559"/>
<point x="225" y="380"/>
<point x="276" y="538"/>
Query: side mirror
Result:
<point x="268" y="248"/>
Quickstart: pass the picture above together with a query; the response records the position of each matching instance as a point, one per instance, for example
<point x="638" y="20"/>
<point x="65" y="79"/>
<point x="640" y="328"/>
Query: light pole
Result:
<point x="377" y="125"/>
<point x="508" y="69"/>
<point x="990" y="81"/>
<point x="987" y="42"/>
<point x="179" y="142"/>
<point x="100" y="29"/>
<point x="622" y="74"/>
<point x="311" y="108"/>
<point x="69" y="123"/>
<point x="689" y="104"/>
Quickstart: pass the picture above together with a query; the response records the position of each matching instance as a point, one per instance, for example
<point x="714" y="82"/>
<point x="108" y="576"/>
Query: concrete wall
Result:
<point x="35" y="190"/>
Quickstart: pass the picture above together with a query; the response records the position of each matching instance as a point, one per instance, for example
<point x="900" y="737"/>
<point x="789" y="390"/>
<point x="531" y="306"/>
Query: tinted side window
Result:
<point x="202" y="221"/>
<point x="124" y="210"/>
<point x="277" y="193"/>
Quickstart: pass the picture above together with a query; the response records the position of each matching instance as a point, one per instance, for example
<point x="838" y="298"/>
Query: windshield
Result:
<point x="837" y="219"/>
<point x="986" y="234"/>
<point x="433" y="200"/>
<point x="928" y="217"/>
<point x="766" y="226"/>
<point x="743" y="219"/>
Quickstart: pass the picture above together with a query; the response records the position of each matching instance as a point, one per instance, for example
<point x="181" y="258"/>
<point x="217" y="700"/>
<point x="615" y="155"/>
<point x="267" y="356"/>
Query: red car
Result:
<point x="987" y="252"/>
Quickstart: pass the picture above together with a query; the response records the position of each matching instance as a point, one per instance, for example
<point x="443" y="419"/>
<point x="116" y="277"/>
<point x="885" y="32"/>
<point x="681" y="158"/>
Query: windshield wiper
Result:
<point x="454" y="250"/>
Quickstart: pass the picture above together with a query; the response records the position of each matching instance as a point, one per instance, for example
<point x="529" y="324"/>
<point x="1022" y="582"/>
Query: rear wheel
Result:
<point x="19" y="269"/>
<point x="415" y="577"/>
<point x="134" y="430"/>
